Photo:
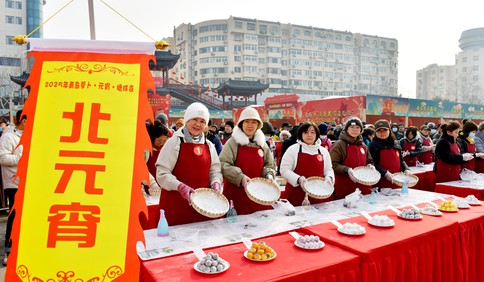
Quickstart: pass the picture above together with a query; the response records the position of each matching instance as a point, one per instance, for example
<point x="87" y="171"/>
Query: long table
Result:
<point x="291" y="263"/>
<point x="446" y="248"/>
<point x="461" y="188"/>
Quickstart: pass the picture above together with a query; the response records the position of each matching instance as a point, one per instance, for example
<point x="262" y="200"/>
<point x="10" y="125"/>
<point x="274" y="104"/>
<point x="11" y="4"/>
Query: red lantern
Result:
<point x="401" y="119"/>
<point x="191" y="82"/>
<point x="209" y="89"/>
<point x="182" y="77"/>
<point x="216" y="91"/>
<point x="174" y="72"/>
<point x="199" y="86"/>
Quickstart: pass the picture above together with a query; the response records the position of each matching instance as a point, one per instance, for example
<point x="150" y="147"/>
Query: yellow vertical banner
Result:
<point x="79" y="196"/>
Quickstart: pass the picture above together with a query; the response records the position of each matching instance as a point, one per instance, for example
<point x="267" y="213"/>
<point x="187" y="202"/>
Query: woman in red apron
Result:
<point x="465" y="140"/>
<point x="411" y="146"/>
<point x="158" y="135"/>
<point x="386" y="154"/>
<point x="186" y="162"/>
<point x="426" y="156"/>
<point x="244" y="156"/>
<point x="304" y="159"/>
<point x="448" y="158"/>
<point x="347" y="153"/>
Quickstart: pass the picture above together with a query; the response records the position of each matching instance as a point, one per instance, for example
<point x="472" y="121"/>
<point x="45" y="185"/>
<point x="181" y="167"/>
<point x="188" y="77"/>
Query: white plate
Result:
<point x="475" y="203"/>
<point x="420" y="218"/>
<point x="382" y="226"/>
<point x="449" y="211"/>
<point x="432" y="214"/>
<point x="346" y="233"/>
<point x="297" y="245"/>
<point x="245" y="256"/>
<point x="226" y="263"/>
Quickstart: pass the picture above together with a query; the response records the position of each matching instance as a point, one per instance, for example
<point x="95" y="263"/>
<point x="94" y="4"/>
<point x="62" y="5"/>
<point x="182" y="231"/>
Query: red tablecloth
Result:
<point x="426" y="181"/>
<point x="329" y="264"/>
<point x="458" y="190"/>
<point x="423" y="250"/>
<point x="471" y="231"/>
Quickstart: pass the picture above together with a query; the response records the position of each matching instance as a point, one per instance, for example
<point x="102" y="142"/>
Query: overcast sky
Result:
<point x="427" y="31"/>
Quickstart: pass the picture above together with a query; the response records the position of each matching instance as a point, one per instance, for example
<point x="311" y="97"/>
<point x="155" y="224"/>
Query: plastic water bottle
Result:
<point x="162" y="225"/>
<point x="404" y="191"/>
<point x="373" y="196"/>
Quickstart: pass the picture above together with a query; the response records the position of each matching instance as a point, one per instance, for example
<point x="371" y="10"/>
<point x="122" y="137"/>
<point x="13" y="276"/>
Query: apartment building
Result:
<point x="461" y="82"/>
<point x="17" y="17"/>
<point x="291" y="58"/>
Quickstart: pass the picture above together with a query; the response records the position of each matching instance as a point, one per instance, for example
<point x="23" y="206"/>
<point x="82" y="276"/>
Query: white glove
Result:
<point x="388" y="176"/>
<point x="480" y="155"/>
<point x="406" y="153"/>
<point x="426" y="148"/>
<point x="302" y="182"/>
<point x="370" y="166"/>
<point x="407" y="172"/>
<point x="329" y="180"/>
<point x="245" y="181"/>
<point x="351" y="175"/>
<point x="467" y="157"/>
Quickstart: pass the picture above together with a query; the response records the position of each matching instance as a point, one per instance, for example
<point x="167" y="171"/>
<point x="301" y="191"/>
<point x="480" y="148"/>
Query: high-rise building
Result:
<point x="291" y="58"/>
<point x="462" y="82"/>
<point x="436" y="82"/>
<point x="17" y="17"/>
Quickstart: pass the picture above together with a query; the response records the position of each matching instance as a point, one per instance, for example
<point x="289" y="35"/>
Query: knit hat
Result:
<point x="353" y="121"/>
<point x="382" y="123"/>
<point x="230" y="123"/>
<point x="323" y="128"/>
<point x="196" y="110"/>
<point x="267" y="128"/>
<point x="180" y="121"/>
<point x="249" y="113"/>
<point x="163" y="118"/>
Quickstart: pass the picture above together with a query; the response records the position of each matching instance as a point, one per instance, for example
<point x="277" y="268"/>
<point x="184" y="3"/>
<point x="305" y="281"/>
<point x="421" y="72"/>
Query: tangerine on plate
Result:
<point x="250" y="255"/>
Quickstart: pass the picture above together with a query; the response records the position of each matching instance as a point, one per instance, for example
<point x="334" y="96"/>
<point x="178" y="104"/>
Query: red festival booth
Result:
<point x="332" y="109"/>
<point x="282" y="108"/>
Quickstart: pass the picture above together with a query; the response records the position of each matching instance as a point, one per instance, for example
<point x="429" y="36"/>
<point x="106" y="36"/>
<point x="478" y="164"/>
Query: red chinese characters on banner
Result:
<point x="66" y="224"/>
<point x="90" y="169"/>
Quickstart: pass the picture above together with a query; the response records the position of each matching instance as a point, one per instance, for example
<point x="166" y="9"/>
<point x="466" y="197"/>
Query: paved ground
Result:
<point x="3" y="225"/>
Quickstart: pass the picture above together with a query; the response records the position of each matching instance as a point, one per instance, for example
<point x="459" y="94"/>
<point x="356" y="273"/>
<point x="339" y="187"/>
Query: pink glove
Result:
<point x="185" y="191"/>
<point x="217" y="187"/>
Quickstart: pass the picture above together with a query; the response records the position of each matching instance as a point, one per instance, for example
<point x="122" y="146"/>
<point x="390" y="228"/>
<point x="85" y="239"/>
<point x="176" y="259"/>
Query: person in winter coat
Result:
<point x="158" y="135"/>
<point x="246" y="155"/>
<point x="411" y="146"/>
<point x="368" y="134"/>
<point x="10" y="154"/>
<point x="227" y="133"/>
<point x="448" y="158"/>
<point x="479" y="142"/>
<point x="426" y="156"/>
<point x="186" y="162"/>
<point x="213" y="137"/>
<point x="304" y="159"/>
<point x="387" y="154"/>
<point x="347" y="153"/>
<point x="465" y="140"/>
<point x="325" y="142"/>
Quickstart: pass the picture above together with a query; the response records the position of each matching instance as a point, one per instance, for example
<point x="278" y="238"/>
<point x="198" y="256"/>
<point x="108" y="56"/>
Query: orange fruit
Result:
<point x="260" y="251"/>
<point x="257" y="257"/>
<point x="253" y="250"/>
<point x="250" y="255"/>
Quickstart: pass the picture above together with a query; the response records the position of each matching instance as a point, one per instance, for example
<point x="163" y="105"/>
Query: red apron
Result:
<point x="193" y="169"/>
<point x="470" y="165"/>
<point x="409" y="160"/>
<point x="389" y="160"/>
<point x="251" y="161"/>
<point x="428" y="156"/>
<point x="479" y="165"/>
<point x="307" y="166"/>
<point x="445" y="172"/>
<point x="277" y="152"/>
<point x="343" y="186"/>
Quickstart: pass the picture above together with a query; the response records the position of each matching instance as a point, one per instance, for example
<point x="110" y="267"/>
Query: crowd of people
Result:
<point x="228" y="156"/>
